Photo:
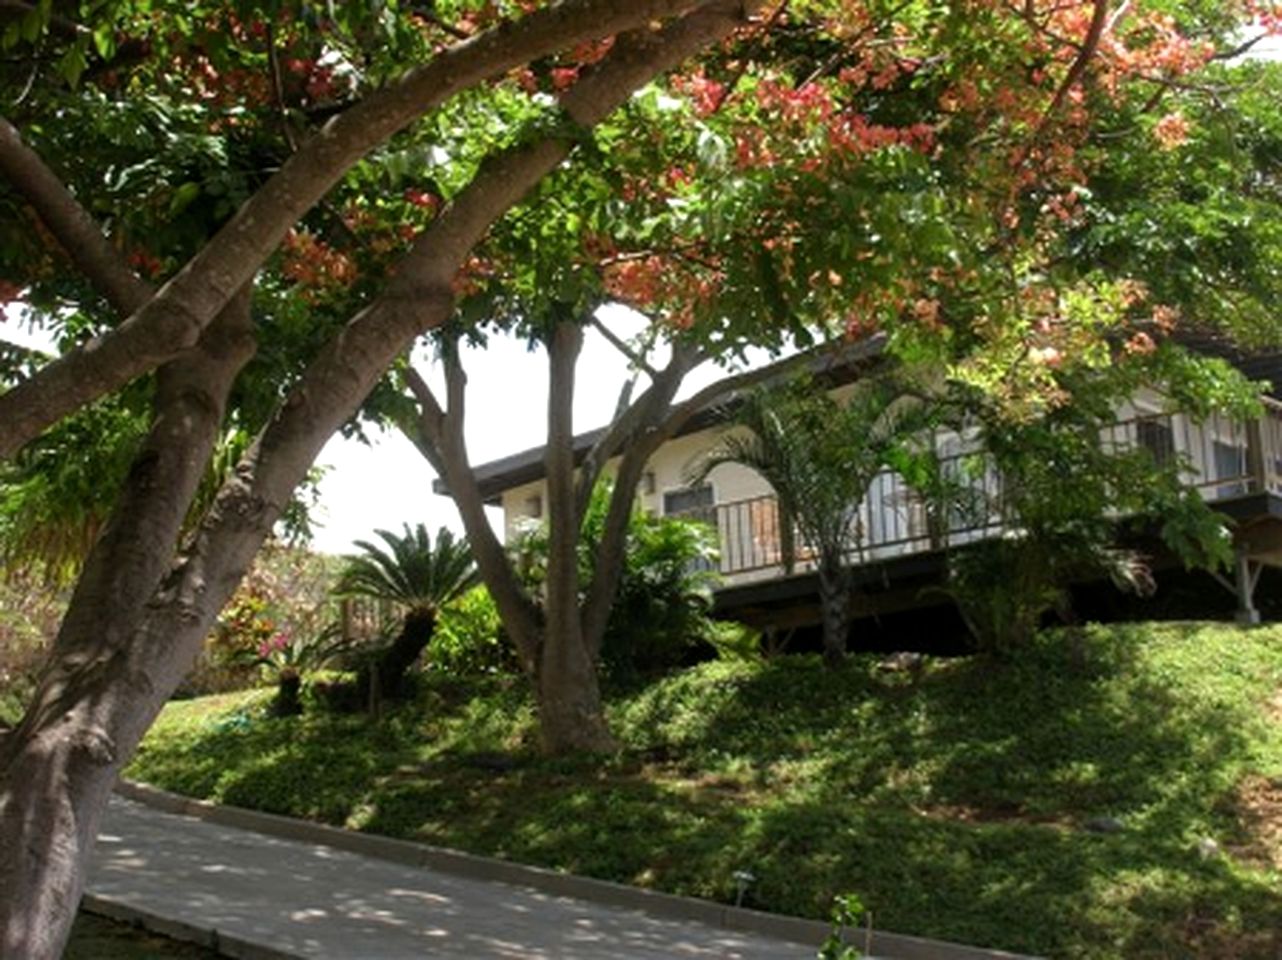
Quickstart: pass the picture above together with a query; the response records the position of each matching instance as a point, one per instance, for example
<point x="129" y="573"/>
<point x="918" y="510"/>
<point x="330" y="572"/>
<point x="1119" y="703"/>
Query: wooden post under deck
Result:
<point x="1245" y="581"/>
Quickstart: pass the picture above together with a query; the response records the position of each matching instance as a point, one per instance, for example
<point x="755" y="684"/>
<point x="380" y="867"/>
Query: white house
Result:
<point x="1238" y="466"/>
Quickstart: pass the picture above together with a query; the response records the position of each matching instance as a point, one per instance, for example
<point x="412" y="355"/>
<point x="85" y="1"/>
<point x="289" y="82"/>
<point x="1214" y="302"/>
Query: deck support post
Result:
<point x="1257" y="461"/>
<point x="1246" y="579"/>
<point x="1246" y="576"/>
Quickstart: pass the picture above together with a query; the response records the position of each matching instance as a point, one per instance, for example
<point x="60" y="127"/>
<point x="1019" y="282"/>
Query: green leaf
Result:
<point x="183" y="198"/>
<point x="104" y="41"/>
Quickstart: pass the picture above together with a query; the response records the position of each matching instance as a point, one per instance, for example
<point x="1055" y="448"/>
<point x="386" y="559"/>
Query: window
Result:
<point x="693" y="501"/>
<point x="1155" y="436"/>
<point x="1229" y="463"/>
<point x="534" y="507"/>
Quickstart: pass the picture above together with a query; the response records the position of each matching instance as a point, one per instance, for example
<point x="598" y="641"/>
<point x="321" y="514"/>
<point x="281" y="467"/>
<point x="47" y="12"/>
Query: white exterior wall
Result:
<point x="1194" y="443"/>
<point x="670" y="467"/>
<point x="892" y="520"/>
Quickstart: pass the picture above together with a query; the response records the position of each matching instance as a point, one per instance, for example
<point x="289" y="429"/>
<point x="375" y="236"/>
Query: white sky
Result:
<point x="387" y="483"/>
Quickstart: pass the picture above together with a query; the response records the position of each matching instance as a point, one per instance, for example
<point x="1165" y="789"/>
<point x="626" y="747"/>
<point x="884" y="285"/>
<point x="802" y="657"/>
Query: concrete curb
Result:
<point x="225" y="945"/>
<point x="891" y="946"/>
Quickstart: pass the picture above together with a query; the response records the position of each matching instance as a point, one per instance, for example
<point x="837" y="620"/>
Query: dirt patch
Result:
<point x="1209" y="939"/>
<point x="1273" y="709"/>
<point x="1257" y="803"/>
<point x="964" y="813"/>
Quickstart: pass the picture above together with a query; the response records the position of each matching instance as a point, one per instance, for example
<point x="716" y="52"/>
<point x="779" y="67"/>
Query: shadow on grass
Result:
<point x="952" y="804"/>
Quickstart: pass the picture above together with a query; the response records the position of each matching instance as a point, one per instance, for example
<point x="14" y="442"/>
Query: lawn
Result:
<point x="958" y="804"/>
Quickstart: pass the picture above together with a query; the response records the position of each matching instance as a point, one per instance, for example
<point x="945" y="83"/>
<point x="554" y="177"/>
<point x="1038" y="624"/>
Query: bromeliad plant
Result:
<point x="287" y="657"/>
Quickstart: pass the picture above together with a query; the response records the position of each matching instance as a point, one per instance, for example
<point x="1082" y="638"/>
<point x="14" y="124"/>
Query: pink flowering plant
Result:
<point x="286" y="656"/>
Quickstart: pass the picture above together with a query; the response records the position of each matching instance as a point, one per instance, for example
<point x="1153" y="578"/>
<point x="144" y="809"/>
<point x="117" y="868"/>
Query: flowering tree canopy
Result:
<point x="239" y="214"/>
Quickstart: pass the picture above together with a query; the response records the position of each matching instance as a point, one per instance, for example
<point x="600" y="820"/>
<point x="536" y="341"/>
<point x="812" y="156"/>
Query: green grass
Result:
<point x="953" y="804"/>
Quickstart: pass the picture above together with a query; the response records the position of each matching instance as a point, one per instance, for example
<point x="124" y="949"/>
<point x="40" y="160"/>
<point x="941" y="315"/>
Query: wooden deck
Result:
<point x="901" y="543"/>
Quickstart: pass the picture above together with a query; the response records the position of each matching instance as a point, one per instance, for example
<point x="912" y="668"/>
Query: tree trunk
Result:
<point x="394" y="665"/>
<point x="571" y="713"/>
<point x="834" y="599"/>
<point x="289" y="689"/>
<point x="58" y="771"/>
<point x="100" y="690"/>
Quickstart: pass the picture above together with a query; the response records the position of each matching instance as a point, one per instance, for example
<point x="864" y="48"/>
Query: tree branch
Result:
<point x="173" y="319"/>
<point x="630" y="423"/>
<point x="278" y="88"/>
<point x="1243" y="48"/>
<point x="615" y="341"/>
<point x="1077" y="70"/>
<point x="418" y="298"/>
<point x="443" y="447"/>
<point x="76" y="232"/>
<point x="645" y="416"/>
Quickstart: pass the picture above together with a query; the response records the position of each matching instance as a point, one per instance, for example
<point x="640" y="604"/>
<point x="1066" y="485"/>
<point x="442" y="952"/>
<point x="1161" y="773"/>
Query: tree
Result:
<point x="420" y="577"/>
<point x="287" y="183"/>
<point x="558" y="634"/>
<point x="140" y="610"/>
<point x="1066" y="501"/>
<point x="821" y="455"/>
<point x="662" y="604"/>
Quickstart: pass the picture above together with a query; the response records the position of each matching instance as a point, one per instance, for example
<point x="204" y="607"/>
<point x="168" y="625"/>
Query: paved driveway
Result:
<point x="315" y="901"/>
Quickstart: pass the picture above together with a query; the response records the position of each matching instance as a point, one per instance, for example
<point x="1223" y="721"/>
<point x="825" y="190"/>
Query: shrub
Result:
<point x="469" y="640"/>
<point x="661" y="610"/>
<point x="735" y="642"/>
<point x="30" y="610"/>
<point x="285" y="592"/>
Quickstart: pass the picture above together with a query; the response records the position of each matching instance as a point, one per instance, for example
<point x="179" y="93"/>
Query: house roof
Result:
<point x="835" y="367"/>
<point x="832" y="366"/>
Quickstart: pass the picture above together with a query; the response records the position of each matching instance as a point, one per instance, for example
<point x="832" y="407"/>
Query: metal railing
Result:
<point x="1220" y="457"/>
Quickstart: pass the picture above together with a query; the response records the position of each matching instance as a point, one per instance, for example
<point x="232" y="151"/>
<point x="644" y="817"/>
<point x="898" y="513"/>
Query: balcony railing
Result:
<point x="1220" y="457"/>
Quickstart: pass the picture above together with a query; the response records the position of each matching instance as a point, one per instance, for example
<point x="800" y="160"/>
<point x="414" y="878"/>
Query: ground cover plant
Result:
<point x="1113" y="805"/>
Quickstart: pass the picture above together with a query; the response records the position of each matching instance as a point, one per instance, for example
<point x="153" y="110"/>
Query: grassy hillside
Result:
<point x="957" y="804"/>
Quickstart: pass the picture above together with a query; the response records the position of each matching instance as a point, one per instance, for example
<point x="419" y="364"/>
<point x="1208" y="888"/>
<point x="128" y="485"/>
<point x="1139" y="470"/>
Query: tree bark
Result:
<point x="438" y="434"/>
<point x="834" y="599"/>
<point x="99" y="692"/>
<point x="394" y="665"/>
<point x="571" y="715"/>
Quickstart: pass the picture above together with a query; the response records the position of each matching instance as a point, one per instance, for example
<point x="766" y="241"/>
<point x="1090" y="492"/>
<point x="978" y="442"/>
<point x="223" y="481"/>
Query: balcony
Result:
<point x="1223" y="459"/>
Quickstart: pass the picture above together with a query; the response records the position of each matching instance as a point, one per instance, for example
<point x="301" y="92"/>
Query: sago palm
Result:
<point x="412" y="572"/>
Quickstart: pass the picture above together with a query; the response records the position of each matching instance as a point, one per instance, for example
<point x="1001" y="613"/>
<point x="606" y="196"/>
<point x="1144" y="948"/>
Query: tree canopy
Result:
<point x="237" y="215"/>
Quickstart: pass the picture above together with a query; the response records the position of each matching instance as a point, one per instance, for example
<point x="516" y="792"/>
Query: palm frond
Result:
<point x="408" y="569"/>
